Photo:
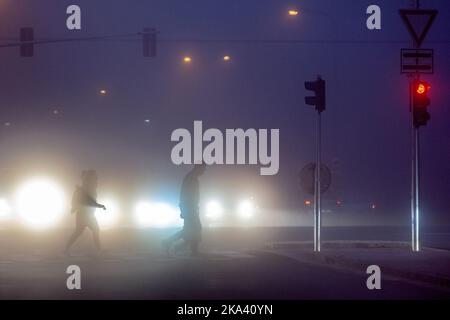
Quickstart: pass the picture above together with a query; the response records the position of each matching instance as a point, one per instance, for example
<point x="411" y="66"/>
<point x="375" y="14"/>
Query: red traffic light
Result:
<point x="421" y="102"/>
<point x="422" y="87"/>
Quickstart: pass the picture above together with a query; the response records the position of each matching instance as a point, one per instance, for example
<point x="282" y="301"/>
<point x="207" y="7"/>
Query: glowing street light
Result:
<point x="103" y="92"/>
<point x="226" y="58"/>
<point x="187" y="59"/>
<point x="293" y="12"/>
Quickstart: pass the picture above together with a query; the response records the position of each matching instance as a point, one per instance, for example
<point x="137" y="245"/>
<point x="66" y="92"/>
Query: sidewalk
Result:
<point x="430" y="266"/>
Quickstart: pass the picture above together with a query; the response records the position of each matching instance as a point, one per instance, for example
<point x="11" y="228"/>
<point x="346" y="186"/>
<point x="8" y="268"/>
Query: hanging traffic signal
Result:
<point x="26" y="39"/>
<point x="421" y="103"/>
<point x="318" y="87"/>
<point x="149" y="42"/>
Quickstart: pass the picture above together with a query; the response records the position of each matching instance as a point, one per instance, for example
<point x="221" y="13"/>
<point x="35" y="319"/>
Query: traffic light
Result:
<point x="318" y="87"/>
<point x="149" y="42"/>
<point x="26" y="36"/>
<point x="421" y="103"/>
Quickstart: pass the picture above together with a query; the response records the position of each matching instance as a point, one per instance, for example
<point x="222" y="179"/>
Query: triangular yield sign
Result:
<point x="418" y="22"/>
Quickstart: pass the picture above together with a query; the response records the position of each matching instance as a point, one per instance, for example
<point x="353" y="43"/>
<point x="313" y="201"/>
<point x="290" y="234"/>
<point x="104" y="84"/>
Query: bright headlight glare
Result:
<point x="40" y="203"/>
<point x="246" y="209"/>
<point x="5" y="209"/>
<point x="157" y="215"/>
<point x="214" y="210"/>
<point x="109" y="217"/>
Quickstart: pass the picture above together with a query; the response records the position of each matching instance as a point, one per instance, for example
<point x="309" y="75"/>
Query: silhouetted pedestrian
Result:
<point x="84" y="204"/>
<point x="190" y="213"/>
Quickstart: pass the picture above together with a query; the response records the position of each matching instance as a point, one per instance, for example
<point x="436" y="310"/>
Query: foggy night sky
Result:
<point x="366" y="124"/>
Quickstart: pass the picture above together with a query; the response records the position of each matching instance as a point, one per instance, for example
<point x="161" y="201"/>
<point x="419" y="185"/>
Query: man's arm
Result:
<point x="90" y="202"/>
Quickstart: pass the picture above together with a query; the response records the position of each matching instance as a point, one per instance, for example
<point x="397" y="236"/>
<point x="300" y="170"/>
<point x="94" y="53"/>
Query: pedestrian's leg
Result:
<point x="175" y="237"/>
<point x="75" y="235"/>
<point x="97" y="243"/>
<point x="167" y="243"/>
<point x="93" y="225"/>
<point x="194" y="247"/>
<point x="196" y="236"/>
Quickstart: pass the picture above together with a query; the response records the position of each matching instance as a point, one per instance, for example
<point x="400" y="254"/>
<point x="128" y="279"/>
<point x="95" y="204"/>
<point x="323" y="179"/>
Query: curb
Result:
<point x="340" y="244"/>
<point x="359" y="265"/>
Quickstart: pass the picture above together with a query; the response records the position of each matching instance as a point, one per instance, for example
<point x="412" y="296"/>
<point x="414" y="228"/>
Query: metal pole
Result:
<point x="416" y="179"/>
<point x="413" y="166"/>
<point x="415" y="245"/>
<point x="317" y="198"/>
<point x="413" y="184"/>
<point x="415" y="210"/>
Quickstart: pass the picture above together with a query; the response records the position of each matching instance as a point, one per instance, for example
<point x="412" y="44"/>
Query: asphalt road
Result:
<point x="224" y="271"/>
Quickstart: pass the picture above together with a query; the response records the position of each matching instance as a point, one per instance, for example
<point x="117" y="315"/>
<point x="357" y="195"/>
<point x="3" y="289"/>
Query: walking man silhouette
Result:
<point x="84" y="204"/>
<point x="190" y="213"/>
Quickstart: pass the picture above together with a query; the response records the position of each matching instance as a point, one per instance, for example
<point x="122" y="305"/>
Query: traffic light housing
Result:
<point x="26" y="48"/>
<point x="318" y="87"/>
<point x="149" y="42"/>
<point x="420" y="103"/>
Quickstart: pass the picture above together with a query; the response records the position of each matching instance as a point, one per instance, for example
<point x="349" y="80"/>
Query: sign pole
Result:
<point x="413" y="182"/>
<point x="422" y="62"/>
<point x="415" y="170"/>
<point x="415" y="244"/>
<point x="317" y="196"/>
<point x="417" y="180"/>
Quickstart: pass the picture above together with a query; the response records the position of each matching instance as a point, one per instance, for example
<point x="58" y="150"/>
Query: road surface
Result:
<point x="134" y="268"/>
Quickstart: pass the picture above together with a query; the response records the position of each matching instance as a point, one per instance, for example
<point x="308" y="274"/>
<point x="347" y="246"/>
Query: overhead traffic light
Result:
<point x="421" y="103"/>
<point x="318" y="87"/>
<point x="149" y="42"/>
<point x="26" y="42"/>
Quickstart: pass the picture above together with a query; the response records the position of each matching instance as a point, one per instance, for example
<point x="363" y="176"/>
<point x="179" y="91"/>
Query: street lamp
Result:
<point x="187" y="59"/>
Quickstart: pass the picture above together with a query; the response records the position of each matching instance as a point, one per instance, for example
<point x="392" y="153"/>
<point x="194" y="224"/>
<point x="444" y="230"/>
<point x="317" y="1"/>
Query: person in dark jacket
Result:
<point x="190" y="213"/>
<point x="84" y="204"/>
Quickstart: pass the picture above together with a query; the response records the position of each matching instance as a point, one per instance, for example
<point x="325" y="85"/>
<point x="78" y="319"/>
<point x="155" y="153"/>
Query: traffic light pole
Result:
<point x="414" y="168"/>
<point x="415" y="245"/>
<point x="419" y="103"/>
<point x="415" y="177"/>
<point x="417" y="180"/>
<point x="319" y="102"/>
<point x="317" y="198"/>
